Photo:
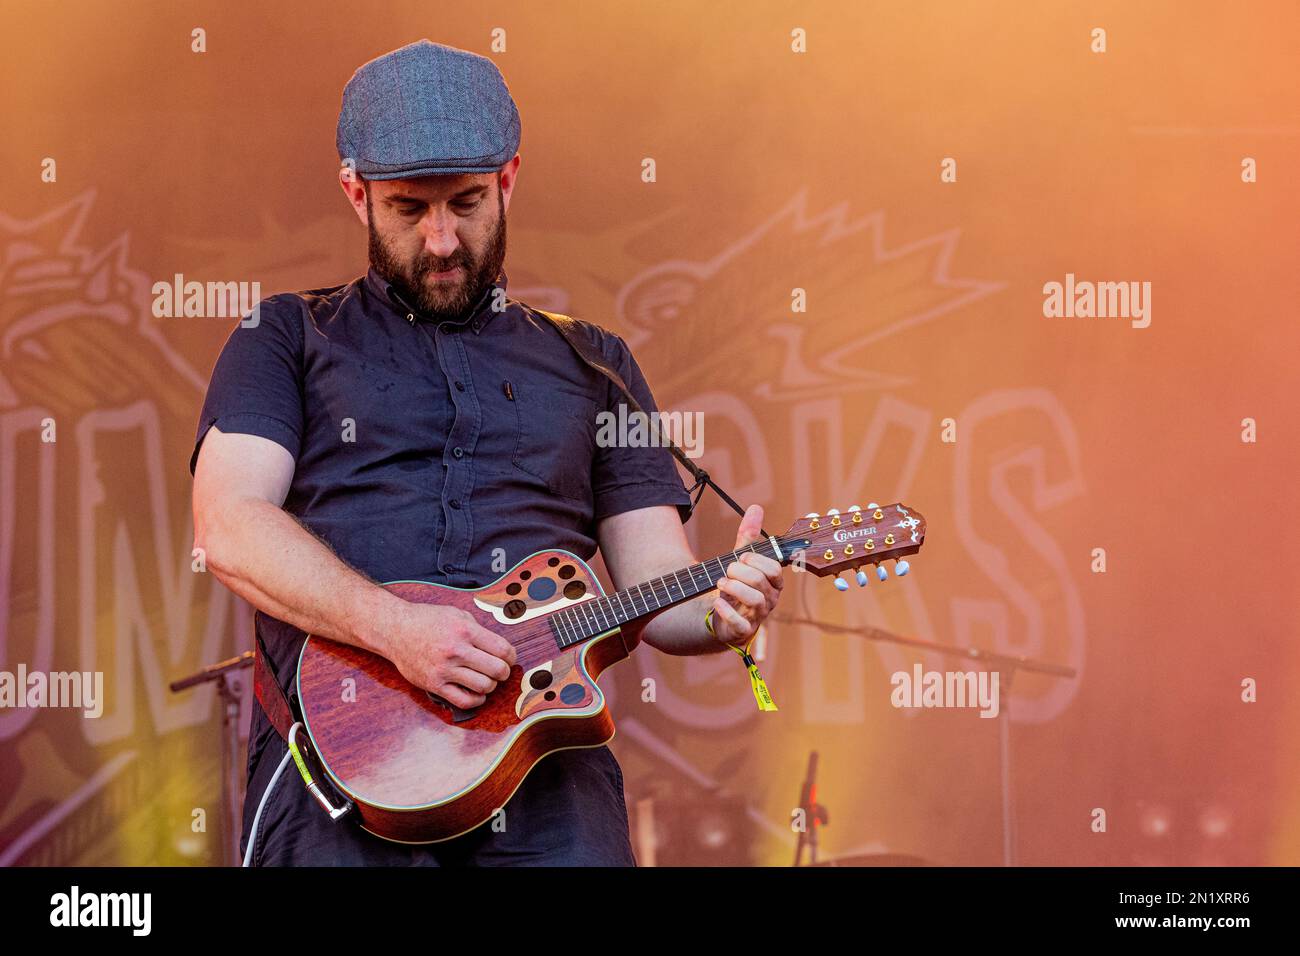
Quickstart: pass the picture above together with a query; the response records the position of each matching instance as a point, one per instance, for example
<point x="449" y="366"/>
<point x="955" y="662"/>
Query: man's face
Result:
<point x="440" y="240"/>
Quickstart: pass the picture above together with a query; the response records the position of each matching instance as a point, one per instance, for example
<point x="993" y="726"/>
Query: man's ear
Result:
<point x="509" y="172"/>
<point x="355" y="190"/>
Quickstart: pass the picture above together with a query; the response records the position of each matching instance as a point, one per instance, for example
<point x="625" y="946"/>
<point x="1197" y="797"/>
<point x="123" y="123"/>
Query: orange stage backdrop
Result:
<point x="921" y="172"/>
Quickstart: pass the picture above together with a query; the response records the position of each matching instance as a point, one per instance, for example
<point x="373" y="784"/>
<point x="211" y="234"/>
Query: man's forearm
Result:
<point x="262" y="554"/>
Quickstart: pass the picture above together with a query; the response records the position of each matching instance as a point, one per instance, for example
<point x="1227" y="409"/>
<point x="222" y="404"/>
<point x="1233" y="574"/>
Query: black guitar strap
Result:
<point x="568" y="328"/>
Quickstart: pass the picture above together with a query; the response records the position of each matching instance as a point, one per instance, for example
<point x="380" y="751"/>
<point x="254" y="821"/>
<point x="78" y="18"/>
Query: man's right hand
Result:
<point x="443" y="650"/>
<point x="275" y="564"/>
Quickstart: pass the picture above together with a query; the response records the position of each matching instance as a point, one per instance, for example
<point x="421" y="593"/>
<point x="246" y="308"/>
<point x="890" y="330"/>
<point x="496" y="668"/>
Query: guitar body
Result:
<point x="421" y="771"/>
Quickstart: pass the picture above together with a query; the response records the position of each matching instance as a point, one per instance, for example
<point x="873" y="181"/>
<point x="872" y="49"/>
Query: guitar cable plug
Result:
<point x="312" y="788"/>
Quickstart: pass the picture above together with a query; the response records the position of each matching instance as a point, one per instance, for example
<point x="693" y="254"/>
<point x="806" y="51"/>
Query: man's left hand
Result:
<point x="749" y="592"/>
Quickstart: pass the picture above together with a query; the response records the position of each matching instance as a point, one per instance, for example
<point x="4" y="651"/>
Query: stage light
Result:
<point x="1215" y="821"/>
<point x="713" y="832"/>
<point x="1155" y="821"/>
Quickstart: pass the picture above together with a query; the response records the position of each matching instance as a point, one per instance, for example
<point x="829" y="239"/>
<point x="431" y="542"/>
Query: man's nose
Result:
<point x="440" y="234"/>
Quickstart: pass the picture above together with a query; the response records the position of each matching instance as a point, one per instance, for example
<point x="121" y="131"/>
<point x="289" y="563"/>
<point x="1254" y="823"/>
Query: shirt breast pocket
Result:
<point x="556" y="439"/>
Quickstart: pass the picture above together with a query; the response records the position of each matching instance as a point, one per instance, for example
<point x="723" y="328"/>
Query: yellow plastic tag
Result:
<point x="756" y="682"/>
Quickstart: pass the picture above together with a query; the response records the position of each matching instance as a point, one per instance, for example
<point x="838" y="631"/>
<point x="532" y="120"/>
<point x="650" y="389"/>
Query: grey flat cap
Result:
<point x="427" y="109"/>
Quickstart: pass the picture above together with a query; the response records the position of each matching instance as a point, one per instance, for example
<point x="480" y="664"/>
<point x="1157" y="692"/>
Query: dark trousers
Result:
<point x="569" y="811"/>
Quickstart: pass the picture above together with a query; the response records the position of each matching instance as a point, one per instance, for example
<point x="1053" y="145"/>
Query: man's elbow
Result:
<point x="215" y="545"/>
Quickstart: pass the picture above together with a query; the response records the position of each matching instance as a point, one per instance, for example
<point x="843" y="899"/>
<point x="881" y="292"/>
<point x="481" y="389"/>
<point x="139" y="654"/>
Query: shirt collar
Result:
<point x="477" y="316"/>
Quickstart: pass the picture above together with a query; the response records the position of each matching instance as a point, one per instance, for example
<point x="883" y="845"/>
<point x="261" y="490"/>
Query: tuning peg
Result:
<point x="862" y="578"/>
<point x="841" y="584"/>
<point x="881" y="572"/>
<point x="812" y="514"/>
<point x="873" y="506"/>
<point x="901" y="568"/>
<point x="833" y="511"/>
<point x="855" y="508"/>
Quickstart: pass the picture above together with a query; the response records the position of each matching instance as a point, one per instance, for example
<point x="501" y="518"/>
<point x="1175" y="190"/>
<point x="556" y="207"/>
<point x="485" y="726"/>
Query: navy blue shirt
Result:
<point x="443" y="452"/>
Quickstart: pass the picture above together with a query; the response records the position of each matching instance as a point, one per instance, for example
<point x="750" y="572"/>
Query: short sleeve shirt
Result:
<point x="444" y="452"/>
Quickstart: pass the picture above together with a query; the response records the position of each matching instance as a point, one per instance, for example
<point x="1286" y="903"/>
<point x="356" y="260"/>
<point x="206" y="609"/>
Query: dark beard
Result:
<point x="480" y="273"/>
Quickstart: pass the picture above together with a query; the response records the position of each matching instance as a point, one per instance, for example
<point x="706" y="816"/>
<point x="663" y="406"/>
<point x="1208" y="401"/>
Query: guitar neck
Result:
<point x="581" y="622"/>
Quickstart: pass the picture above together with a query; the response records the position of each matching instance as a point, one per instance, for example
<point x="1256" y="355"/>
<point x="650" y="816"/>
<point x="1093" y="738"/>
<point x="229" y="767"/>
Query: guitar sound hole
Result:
<point x="540" y="680"/>
<point x="514" y="587"/>
<point x="515" y="609"/>
<point x="552" y="561"/>
<point x="567" y="571"/>
<point x="574" y="590"/>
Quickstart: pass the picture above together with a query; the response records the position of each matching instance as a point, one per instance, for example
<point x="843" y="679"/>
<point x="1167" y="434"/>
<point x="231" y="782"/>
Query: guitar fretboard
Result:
<point x="573" y="625"/>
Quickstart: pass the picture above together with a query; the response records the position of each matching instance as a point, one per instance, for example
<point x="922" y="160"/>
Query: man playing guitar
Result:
<point x="417" y="424"/>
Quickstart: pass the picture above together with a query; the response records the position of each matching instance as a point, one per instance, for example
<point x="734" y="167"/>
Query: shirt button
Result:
<point x="455" y="503"/>
<point x="458" y="452"/>
<point x="460" y="386"/>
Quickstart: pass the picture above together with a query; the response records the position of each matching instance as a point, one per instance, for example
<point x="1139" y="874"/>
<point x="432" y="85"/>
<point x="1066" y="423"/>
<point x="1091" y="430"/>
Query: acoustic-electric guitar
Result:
<point x="419" y="770"/>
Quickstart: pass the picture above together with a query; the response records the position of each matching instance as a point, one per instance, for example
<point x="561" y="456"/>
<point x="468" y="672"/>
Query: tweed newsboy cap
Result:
<point x="426" y="109"/>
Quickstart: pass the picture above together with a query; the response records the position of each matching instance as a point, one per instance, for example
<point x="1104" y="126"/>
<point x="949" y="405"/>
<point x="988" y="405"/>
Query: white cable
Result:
<point x="252" y="835"/>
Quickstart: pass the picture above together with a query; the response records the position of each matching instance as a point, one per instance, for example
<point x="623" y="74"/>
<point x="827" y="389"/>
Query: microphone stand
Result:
<point x="225" y="675"/>
<point x="814" y="814"/>
<point x="1005" y="664"/>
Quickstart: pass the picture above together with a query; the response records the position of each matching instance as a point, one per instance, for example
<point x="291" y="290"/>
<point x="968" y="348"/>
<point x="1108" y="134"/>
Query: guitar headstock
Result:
<point x="845" y="541"/>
